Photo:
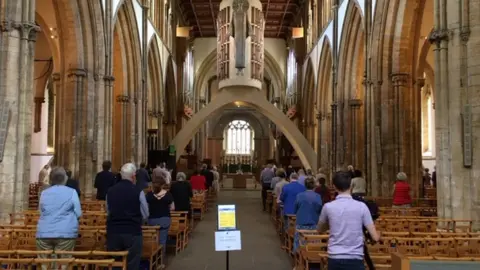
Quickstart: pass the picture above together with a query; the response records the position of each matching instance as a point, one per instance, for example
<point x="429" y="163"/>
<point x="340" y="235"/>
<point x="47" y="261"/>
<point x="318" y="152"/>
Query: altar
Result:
<point x="239" y="181"/>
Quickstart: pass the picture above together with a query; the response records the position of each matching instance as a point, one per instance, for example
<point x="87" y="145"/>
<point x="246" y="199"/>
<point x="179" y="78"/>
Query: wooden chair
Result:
<point x="16" y="264"/>
<point x="119" y="258"/>
<point x="183" y="225"/>
<point x="175" y="233"/>
<point x="440" y="247"/>
<point x="414" y="247"/>
<point x="467" y="247"/>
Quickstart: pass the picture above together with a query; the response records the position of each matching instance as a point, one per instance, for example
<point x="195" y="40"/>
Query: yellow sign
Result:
<point x="226" y="217"/>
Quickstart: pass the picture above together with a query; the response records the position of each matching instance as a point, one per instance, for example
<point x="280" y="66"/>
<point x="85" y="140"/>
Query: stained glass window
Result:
<point x="239" y="138"/>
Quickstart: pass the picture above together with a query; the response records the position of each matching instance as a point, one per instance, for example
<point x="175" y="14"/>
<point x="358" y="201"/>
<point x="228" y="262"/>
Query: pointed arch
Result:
<point x="324" y="100"/>
<point x="155" y="100"/>
<point x="308" y="110"/>
<point x="351" y="70"/>
<point x="126" y="71"/>
<point x="273" y="69"/>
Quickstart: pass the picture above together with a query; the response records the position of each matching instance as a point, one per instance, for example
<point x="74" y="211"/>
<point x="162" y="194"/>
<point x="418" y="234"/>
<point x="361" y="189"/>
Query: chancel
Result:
<point x="244" y="102"/>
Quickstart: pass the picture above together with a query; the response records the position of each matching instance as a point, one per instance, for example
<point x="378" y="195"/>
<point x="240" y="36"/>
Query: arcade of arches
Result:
<point x="383" y="85"/>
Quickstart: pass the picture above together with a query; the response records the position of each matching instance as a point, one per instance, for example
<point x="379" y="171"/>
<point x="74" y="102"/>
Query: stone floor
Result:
<point x="260" y="243"/>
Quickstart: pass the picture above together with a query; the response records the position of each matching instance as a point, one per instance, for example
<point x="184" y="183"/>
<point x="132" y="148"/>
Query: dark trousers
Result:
<point x="345" y="264"/>
<point x="265" y="187"/>
<point x="132" y="243"/>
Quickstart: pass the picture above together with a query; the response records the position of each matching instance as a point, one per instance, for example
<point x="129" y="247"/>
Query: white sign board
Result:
<point x="228" y="240"/>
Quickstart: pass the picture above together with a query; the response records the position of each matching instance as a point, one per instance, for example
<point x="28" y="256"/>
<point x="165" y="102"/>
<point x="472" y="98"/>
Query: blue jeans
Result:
<point x="164" y="223"/>
<point x="345" y="264"/>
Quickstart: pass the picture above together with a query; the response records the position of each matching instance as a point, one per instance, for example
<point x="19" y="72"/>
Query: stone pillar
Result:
<point x="399" y="81"/>
<point x="17" y="40"/>
<point x="108" y="117"/>
<point x="123" y="100"/>
<point x="416" y="146"/>
<point x="355" y="105"/>
<point x="318" y="116"/>
<point x="37" y="123"/>
<point x="56" y="77"/>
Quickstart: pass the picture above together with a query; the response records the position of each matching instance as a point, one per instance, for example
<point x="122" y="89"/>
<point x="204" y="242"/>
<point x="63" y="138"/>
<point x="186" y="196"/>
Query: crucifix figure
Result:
<point x="240" y="31"/>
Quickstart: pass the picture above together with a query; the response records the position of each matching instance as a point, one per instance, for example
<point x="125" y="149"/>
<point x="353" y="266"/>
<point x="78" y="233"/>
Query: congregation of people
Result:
<point x="133" y="198"/>
<point x="348" y="216"/>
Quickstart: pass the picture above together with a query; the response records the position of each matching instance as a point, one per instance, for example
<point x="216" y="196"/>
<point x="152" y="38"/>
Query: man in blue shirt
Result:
<point x="307" y="209"/>
<point x="289" y="196"/>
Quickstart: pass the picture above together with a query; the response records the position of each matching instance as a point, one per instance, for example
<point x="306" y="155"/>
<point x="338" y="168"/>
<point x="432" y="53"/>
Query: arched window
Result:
<point x="239" y="138"/>
<point x="428" y="121"/>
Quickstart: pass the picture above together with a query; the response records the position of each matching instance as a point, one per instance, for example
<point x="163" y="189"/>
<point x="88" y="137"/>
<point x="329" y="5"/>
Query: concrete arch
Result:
<point x="255" y="99"/>
<point x="218" y="129"/>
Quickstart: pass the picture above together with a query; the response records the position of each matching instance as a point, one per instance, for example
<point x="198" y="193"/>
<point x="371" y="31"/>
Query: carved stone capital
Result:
<point x="56" y="77"/>
<point x="108" y="78"/>
<point x="439" y="35"/>
<point x="420" y="82"/>
<point x="77" y="72"/>
<point x="123" y="99"/>
<point x="465" y="34"/>
<point x="318" y="116"/>
<point x="39" y="100"/>
<point x="400" y="79"/>
<point x="202" y="101"/>
<point x="28" y="30"/>
<point x="276" y="100"/>
<point x="355" y="103"/>
<point x="334" y="106"/>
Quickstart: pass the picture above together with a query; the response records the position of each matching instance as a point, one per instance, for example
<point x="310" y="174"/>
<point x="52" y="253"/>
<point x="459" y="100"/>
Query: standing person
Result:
<point x="402" y="193"/>
<point x="301" y="177"/>
<point x="266" y="177"/>
<point x="60" y="209"/>
<point x="160" y="203"/>
<point x="346" y="219"/>
<point x="142" y="176"/>
<point x="104" y="180"/>
<point x="73" y="183"/>
<point x="198" y="182"/>
<point x="278" y="186"/>
<point x="207" y="173"/>
<point x="43" y="174"/>
<point x="127" y="208"/>
<point x="359" y="186"/>
<point x="308" y="205"/>
<point x="182" y="193"/>
<point x="288" y="197"/>
<point x="434" y="176"/>
<point x="216" y="179"/>
<point x="161" y="171"/>
<point x="279" y="175"/>
<point x="322" y="189"/>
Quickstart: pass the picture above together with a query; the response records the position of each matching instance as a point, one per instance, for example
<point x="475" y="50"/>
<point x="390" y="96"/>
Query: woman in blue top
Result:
<point x="307" y="209"/>
<point x="60" y="209"/>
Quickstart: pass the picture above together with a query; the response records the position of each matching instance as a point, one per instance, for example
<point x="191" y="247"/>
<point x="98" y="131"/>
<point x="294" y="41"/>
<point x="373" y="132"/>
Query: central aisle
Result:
<point x="260" y="243"/>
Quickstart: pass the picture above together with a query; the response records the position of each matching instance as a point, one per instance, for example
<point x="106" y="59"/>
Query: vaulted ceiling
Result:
<point x="201" y="16"/>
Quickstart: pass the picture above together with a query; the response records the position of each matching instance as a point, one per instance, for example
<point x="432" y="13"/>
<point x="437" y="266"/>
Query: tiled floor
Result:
<point x="260" y="243"/>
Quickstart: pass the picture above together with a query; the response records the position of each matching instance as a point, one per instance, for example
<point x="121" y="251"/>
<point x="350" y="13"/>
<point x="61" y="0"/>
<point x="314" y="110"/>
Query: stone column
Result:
<point x="355" y="105"/>
<point x="17" y="35"/>
<point x="160" y="136"/>
<point x="318" y="116"/>
<point x="416" y="146"/>
<point x="123" y="100"/>
<point x="399" y="81"/>
<point x="108" y="117"/>
<point x="56" y="77"/>
<point x="37" y="123"/>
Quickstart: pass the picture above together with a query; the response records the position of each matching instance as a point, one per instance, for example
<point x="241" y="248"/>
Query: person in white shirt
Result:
<point x="216" y="179"/>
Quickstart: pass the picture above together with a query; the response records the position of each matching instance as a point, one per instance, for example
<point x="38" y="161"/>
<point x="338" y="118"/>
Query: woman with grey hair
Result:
<point x="182" y="193"/>
<point x="402" y="197"/>
<point x="60" y="209"/>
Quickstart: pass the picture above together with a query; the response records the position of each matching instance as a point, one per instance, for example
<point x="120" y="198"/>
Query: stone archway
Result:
<point x="255" y="99"/>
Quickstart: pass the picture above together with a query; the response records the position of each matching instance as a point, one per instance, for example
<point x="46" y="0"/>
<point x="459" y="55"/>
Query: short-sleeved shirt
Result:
<point x="346" y="218"/>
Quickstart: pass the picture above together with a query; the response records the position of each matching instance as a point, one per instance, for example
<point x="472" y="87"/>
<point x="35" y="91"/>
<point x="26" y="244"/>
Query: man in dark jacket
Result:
<point x="73" y="183"/>
<point x="142" y="177"/>
<point x="207" y="173"/>
<point x="104" y="180"/>
<point x="127" y="209"/>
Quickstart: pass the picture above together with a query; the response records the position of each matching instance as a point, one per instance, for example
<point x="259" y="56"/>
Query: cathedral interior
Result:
<point x="386" y="86"/>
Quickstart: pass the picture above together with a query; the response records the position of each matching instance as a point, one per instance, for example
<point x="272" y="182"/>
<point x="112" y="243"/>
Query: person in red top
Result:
<point x="402" y="197"/>
<point x="198" y="181"/>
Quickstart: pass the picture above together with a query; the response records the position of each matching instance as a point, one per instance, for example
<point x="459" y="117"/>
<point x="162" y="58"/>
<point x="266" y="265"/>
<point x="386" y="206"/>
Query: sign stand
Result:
<point x="228" y="261"/>
<point x="227" y="237"/>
